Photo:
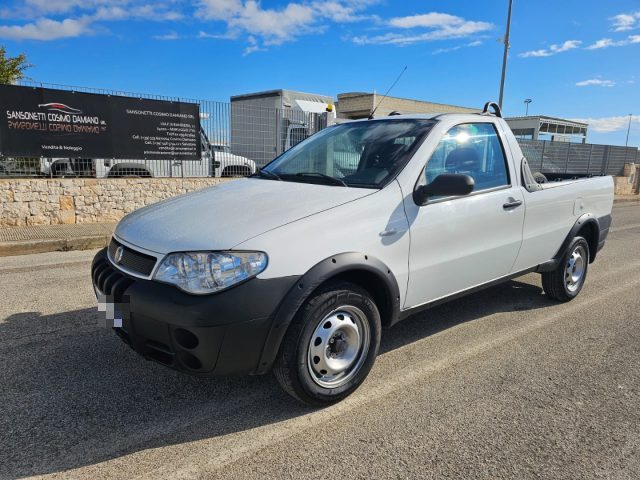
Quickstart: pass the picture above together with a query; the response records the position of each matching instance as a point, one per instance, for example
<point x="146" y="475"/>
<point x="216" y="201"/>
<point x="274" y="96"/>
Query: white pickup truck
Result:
<point x="299" y="267"/>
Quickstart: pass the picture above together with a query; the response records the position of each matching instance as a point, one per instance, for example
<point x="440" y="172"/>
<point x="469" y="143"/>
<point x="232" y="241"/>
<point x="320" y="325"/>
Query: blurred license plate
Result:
<point x="112" y="312"/>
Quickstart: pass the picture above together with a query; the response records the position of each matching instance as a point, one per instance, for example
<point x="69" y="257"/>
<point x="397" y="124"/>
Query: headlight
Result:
<point x="209" y="272"/>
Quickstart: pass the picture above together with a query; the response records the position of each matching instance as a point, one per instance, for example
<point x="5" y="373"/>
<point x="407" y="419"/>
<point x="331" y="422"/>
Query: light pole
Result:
<point x="626" y="144"/>
<point x="527" y="101"/>
<point x="505" y="55"/>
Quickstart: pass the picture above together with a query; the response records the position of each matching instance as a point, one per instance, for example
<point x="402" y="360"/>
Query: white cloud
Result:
<point x="46" y="7"/>
<point x="275" y="26"/>
<point x="427" y="20"/>
<point x="475" y="43"/>
<point x="625" y="21"/>
<point x="607" y="42"/>
<point x="217" y="36"/>
<point x="552" y="50"/>
<point x="253" y="46"/>
<point x="597" y="82"/>
<point x="341" y="12"/>
<point x="609" y="124"/>
<point x="168" y="36"/>
<point x="46" y="29"/>
<point x="82" y="17"/>
<point x="438" y="26"/>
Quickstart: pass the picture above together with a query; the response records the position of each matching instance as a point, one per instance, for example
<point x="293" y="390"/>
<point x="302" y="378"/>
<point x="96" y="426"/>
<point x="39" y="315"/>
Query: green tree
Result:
<point x="12" y="68"/>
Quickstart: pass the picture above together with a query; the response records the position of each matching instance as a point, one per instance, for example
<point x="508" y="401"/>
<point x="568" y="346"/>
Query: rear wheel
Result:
<point x="330" y="346"/>
<point x="565" y="282"/>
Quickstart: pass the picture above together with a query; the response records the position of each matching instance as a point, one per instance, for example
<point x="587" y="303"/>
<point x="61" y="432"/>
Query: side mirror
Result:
<point x="444" y="185"/>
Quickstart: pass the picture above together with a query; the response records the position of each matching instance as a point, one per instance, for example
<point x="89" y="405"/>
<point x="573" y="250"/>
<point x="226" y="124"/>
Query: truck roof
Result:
<point x="428" y="116"/>
<point x="486" y="111"/>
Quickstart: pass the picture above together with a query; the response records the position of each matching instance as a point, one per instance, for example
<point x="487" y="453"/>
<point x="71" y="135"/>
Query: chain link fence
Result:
<point x="235" y="140"/>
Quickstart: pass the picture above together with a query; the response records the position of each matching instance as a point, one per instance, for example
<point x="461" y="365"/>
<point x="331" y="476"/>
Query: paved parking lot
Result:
<point x="501" y="384"/>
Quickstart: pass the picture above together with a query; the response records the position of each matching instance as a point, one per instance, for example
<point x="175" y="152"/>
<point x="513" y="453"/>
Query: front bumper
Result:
<point x="218" y="334"/>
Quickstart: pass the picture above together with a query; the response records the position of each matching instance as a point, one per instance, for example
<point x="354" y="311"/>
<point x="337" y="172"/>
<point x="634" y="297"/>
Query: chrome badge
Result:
<point x="117" y="256"/>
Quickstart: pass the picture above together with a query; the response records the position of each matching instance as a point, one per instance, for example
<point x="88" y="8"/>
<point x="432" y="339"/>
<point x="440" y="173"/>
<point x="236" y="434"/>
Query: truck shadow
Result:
<point x="74" y="395"/>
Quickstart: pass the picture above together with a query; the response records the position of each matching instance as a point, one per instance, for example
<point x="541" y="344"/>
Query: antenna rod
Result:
<point x="506" y="54"/>
<point x="387" y="93"/>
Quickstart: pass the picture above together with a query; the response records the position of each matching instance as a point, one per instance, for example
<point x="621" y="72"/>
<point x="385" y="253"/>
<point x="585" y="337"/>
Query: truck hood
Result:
<point x="220" y="217"/>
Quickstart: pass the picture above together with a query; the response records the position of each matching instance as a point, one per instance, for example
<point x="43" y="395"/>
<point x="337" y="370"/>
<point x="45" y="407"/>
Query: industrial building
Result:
<point x="541" y="127"/>
<point x="265" y="124"/>
<point x="356" y="105"/>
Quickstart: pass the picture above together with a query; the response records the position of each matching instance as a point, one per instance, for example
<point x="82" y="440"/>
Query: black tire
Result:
<point x="540" y="178"/>
<point x="556" y="283"/>
<point x="236" y="171"/>
<point x="293" y="368"/>
<point x="127" y="173"/>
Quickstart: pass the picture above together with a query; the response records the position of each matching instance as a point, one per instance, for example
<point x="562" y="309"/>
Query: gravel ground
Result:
<point x="501" y="384"/>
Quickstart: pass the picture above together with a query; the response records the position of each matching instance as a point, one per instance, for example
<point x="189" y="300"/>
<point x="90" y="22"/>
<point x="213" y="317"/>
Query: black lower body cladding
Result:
<point x="218" y="334"/>
<point x="605" y="225"/>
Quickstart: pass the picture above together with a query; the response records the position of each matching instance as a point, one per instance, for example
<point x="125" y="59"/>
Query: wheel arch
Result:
<point x="586" y="226"/>
<point x="362" y="269"/>
<point x="116" y="169"/>
<point x="590" y="230"/>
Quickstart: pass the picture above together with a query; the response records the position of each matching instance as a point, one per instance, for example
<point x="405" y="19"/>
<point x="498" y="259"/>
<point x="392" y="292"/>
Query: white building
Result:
<point x="541" y="127"/>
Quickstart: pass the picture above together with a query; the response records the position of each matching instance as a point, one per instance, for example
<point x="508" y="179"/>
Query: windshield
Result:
<point x="358" y="154"/>
<point x="221" y="148"/>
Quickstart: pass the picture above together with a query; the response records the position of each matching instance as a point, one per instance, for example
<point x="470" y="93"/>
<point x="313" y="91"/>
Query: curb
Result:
<point x="26" y="247"/>
<point x="626" y="202"/>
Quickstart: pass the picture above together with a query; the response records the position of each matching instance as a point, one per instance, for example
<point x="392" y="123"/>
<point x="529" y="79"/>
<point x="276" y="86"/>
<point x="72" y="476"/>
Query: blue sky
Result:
<point x="575" y="58"/>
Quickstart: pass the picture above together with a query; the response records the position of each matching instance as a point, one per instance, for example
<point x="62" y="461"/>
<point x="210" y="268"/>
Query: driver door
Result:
<point x="458" y="243"/>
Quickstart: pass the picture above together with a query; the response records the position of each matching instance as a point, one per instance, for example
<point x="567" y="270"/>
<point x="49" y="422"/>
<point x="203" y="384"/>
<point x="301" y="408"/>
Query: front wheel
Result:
<point x="330" y="346"/>
<point x="565" y="282"/>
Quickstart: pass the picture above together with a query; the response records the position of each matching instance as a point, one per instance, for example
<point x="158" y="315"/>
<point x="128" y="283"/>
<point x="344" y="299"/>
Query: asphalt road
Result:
<point x="501" y="384"/>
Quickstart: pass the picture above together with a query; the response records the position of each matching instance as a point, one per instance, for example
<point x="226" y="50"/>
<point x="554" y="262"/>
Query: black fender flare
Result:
<point x="585" y="219"/>
<point x="328" y="268"/>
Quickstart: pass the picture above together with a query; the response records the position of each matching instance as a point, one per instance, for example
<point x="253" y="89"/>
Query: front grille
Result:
<point x="132" y="260"/>
<point x="110" y="281"/>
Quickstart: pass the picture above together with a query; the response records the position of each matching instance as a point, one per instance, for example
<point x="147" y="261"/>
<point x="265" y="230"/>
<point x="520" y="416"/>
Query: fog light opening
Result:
<point x="190" y="361"/>
<point x="185" y="338"/>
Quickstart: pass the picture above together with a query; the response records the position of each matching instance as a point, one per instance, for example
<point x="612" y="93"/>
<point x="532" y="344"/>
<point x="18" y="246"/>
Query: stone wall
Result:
<point x="57" y="201"/>
<point x="629" y="184"/>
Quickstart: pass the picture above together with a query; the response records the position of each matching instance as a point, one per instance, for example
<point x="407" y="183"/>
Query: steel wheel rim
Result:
<point x="575" y="269"/>
<point x="338" y="347"/>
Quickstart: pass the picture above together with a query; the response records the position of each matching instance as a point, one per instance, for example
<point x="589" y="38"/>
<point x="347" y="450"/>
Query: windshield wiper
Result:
<point x="266" y="174"/>
<point x="328" y="178"/>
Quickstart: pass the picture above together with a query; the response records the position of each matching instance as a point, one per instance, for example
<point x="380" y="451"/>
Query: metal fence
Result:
<point x="235" y="139"/>
<point x="577" y="158"/>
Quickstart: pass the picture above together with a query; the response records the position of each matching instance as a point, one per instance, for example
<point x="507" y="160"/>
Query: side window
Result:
<point x="473" y="149"/>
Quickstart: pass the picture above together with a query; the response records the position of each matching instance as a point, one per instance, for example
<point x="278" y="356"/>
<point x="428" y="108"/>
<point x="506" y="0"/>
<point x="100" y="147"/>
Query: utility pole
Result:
<point x="626" y="144"/>
<point x="506" y="54"/>
<point x="527" y="101"/>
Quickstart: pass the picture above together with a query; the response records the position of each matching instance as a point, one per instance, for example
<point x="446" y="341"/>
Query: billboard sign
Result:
<point x="43" y="122"/>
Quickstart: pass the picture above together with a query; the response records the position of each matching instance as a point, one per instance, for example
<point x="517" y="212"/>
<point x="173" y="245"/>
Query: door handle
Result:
<point x="512" y="204"/>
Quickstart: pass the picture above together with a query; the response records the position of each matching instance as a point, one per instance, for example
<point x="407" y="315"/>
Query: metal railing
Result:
<point x="236" y="140"/>
<point x="577" y="158"/>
